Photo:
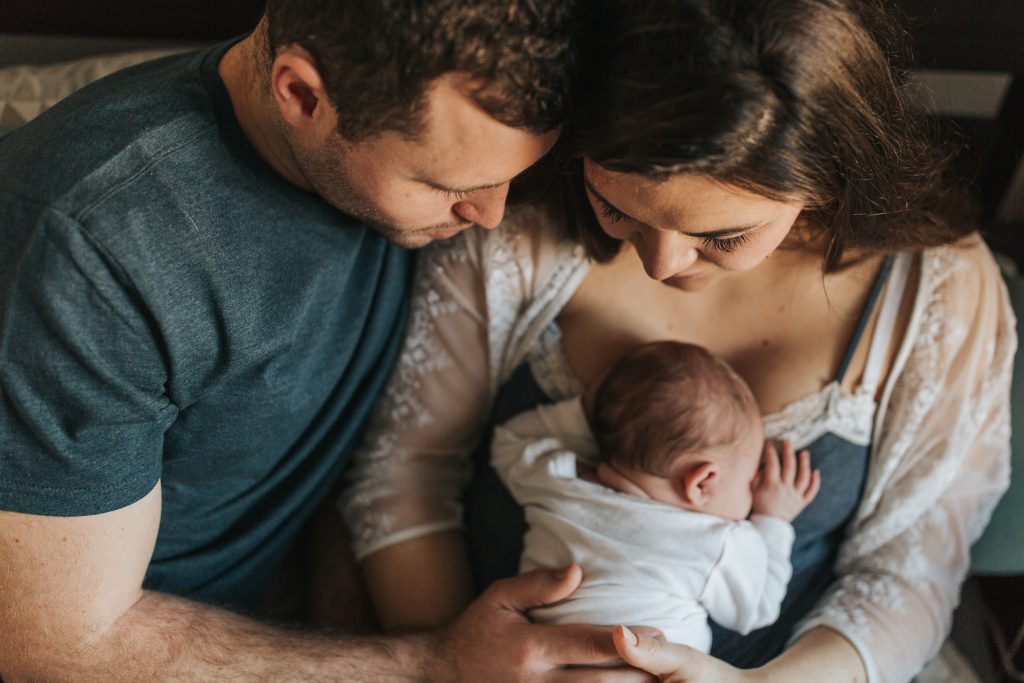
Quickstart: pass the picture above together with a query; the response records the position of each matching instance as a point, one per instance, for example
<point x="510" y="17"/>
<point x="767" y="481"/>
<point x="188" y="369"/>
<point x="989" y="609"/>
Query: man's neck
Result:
<point x="254" y="109"/>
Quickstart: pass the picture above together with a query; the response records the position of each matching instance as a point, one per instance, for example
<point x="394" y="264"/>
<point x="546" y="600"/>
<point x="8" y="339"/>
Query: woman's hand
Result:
<point x="820" y="654"/>
<point x="674" y="663"/>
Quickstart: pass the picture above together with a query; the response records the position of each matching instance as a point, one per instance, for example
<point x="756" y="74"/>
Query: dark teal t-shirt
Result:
<point x="173" y="310"/>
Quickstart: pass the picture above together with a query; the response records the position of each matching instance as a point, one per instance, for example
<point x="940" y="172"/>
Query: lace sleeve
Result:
<point x="478" y="301"/>
<point x="940" y="463"/>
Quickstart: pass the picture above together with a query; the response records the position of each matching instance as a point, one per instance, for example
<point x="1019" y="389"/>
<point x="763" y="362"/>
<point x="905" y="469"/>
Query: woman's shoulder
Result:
<point x="530" y="241"/>
<point x="528" y="231"/>
<point x="536" y="223"/>
<point x="961" y="289"/>
<point x="969" y="258"/>
<point x="964" y="272"/>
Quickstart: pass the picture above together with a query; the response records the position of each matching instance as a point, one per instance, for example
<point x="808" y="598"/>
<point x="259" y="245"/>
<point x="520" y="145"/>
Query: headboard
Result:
<point x="193" y="20"/>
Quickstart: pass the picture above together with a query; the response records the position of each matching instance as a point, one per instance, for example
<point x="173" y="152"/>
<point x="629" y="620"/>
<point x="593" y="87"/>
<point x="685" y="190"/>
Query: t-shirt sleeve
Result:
<point x="83" y="407"/>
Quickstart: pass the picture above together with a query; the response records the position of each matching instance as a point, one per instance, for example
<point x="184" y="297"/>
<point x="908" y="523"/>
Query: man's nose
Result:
<point x="664" y="254"/>
<point x="486" y="208"/>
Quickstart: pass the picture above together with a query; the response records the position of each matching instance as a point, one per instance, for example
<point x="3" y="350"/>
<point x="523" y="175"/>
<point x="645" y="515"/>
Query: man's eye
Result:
<point x="456" y="195"/>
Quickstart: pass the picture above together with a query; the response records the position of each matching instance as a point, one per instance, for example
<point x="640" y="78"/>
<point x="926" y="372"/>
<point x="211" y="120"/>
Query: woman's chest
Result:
<point x="786" y="336"/>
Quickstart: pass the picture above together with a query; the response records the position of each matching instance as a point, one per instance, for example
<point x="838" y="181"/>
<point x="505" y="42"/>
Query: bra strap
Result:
<point x="876" y="288"/>
<point x="886" y="325"/>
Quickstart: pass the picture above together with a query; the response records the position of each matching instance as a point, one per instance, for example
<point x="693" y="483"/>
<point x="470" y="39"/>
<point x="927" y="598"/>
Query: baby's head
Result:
<point x="678" y="423"/>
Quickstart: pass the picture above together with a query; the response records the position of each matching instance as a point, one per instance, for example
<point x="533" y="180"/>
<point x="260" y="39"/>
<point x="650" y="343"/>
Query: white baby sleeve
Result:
<point x="745" y="588"/>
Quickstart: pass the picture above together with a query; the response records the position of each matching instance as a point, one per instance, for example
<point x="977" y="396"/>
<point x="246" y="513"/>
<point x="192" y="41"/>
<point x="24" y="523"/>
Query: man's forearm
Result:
<point x="164" y="637"/>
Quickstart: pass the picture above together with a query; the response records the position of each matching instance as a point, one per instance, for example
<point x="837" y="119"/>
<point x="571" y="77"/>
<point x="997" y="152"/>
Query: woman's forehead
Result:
<point x="700" y="202"/>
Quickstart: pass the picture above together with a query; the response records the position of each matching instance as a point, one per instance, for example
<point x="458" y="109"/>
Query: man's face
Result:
<point x="455" y="174"/>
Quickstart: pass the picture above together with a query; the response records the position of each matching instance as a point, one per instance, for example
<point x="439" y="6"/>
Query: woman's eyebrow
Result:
<point x="709" y="234"/>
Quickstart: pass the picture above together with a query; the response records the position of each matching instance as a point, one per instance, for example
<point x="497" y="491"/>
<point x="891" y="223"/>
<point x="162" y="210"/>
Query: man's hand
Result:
<point x="784" y="489"/>
<point x="493" y="640"/>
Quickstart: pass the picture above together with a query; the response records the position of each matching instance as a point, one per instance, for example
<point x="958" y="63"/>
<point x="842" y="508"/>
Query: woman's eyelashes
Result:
<point x="725" y="244"/>
<point x="610" y="212"/>
<point x="722" y="244"/>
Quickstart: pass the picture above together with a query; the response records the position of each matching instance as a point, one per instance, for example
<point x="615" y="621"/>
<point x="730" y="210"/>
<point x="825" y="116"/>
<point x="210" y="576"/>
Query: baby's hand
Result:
<point x="784" y="489"/>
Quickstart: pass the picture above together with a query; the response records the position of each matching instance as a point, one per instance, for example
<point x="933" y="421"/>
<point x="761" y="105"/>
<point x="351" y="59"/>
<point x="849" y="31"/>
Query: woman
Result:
<point x="749" y="179"/>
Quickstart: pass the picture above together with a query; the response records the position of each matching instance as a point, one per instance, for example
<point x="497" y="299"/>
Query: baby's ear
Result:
<point x="692" y="481"/>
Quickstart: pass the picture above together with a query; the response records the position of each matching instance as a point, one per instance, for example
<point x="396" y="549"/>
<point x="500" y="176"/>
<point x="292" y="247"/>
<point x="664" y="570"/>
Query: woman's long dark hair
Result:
<point x="785" y="98"/>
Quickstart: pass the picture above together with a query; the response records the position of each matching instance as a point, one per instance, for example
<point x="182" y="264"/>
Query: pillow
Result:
<point x="27" y="90"/>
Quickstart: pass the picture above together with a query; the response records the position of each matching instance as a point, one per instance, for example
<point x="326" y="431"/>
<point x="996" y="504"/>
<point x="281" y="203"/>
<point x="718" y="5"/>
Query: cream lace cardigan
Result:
<point x="940" y="447"/>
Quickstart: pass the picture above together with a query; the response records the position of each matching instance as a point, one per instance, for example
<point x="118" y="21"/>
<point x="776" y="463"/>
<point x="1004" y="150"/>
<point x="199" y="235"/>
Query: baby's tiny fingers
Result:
<point x="770" y="463"/>
<point x="814" y="487"/>
<point x="788" y="463"/>
<point x="803" y="471"/>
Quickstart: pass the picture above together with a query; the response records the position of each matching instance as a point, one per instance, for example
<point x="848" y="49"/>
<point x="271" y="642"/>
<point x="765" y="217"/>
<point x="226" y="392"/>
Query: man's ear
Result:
<point x="298" y="88"/>
<point x="692" y="482"/>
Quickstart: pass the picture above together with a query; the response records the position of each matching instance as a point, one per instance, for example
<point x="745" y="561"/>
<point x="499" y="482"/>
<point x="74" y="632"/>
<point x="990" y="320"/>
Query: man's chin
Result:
<point x="407" y="241"/>
<point x="417" y="238"/>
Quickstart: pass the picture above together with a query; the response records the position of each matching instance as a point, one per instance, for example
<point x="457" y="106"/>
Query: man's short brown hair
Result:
<point x="378" y="57"/>
<point x="667" y="398"/>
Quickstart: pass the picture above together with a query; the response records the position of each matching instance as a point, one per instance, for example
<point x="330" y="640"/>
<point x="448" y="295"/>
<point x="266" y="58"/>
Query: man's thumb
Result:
<point x="536" y="588"/>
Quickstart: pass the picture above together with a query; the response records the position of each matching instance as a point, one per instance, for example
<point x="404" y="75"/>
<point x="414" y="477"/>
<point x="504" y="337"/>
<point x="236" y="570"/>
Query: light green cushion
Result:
<point x="1001" y="548"/>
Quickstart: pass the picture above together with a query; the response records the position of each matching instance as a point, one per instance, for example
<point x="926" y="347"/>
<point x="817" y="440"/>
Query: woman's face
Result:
<point x="689" y="230"/>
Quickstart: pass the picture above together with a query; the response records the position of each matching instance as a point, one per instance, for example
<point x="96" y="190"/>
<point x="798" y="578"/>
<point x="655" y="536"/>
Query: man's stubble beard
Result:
<point x="324" y="171"/>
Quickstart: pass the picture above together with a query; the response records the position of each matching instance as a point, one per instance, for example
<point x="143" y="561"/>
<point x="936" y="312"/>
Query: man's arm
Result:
<point x="72" y="608"/>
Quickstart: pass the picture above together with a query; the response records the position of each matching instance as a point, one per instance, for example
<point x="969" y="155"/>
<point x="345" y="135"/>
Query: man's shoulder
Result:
<point x="98" y="138"/>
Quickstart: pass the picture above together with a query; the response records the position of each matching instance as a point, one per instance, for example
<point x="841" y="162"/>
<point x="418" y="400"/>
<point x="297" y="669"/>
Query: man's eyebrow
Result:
<point x="709" y="234"/>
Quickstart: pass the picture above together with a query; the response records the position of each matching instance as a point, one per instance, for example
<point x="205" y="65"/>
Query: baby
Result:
<point x="652" y="497"/>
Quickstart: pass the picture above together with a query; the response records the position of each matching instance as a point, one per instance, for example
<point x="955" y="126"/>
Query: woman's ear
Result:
<point x="692" y="482"/>
<point x="298" y="89"/>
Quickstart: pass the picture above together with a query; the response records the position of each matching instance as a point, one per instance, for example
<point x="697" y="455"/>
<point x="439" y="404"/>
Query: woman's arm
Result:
<point x="478" y="302"/>
<point x="402" y="490"/>
<point x="940" y="462"/>
<point x="419" y="583"/>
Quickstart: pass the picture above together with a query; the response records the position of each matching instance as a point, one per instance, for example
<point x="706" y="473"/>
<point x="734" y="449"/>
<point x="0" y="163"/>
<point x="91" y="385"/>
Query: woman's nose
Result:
<point x="664" y="254"/>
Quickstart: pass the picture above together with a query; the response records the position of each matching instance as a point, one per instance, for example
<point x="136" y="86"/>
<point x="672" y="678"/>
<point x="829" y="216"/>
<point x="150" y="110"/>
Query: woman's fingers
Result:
<point x="583" y="644"/>
<point x="655" y="656"/>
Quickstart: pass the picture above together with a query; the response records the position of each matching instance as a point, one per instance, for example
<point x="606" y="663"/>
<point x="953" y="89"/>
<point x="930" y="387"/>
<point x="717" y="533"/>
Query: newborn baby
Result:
<point x="652" y="497"/>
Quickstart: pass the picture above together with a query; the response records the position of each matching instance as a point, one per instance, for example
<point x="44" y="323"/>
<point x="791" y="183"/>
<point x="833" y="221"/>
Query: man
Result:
<point x="202" y="289"/>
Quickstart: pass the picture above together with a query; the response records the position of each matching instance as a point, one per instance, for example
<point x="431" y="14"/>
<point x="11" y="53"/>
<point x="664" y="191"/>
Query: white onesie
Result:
<point x="645" y="563"/>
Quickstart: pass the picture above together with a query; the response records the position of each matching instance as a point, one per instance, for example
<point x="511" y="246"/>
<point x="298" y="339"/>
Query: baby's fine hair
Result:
<point x="667" y="398"/>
